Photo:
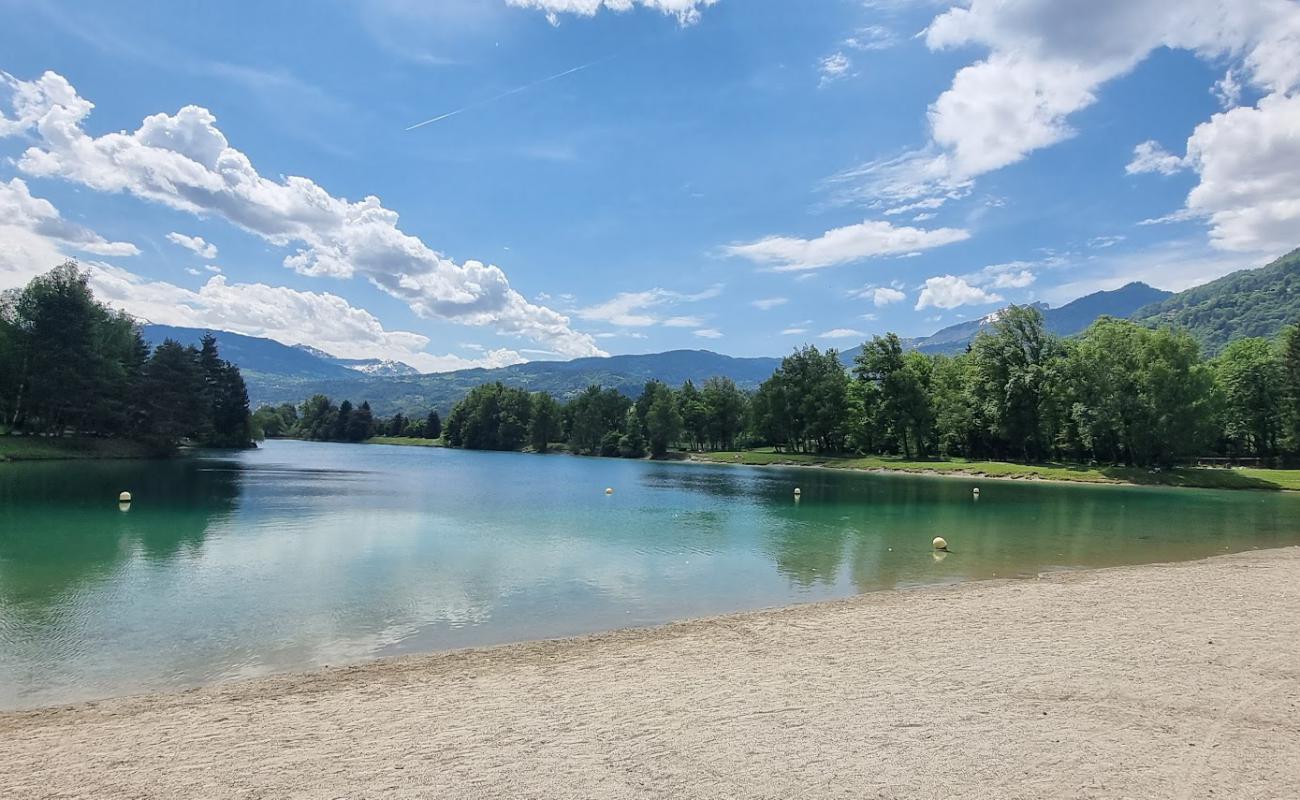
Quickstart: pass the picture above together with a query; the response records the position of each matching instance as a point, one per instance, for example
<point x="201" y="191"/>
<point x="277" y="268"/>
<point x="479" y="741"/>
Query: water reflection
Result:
<point x="300" y="555"/>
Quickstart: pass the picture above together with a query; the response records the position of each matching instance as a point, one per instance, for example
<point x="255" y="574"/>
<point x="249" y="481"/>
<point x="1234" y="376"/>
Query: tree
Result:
<point x="664" y="424"/>
<point x="173" y="384"/>
<point x="724" y="412"/>
<point x="1252" y="379"/>
<point x="1014" y="372"/>
<point x="433" y="425"/>
<point x="692" y="409"/>
<point x="544" y="427"/>
<point x="1291" y="377"/>
<point x="360" y="424"/>
<point x="594" y="414"/>
<point x="901" y="391"/>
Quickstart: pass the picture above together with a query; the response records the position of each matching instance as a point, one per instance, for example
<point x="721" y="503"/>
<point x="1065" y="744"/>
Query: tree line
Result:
<point x="319" y="419"/>
<point x="1119" y="393"/>
<point x="69" y="365"/>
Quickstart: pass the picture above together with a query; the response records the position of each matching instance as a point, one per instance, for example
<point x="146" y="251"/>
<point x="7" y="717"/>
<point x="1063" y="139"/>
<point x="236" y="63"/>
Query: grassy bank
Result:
<point x="1204" y="478"/>
<point x="402" y="441"/>
<point x="41" y="448"/>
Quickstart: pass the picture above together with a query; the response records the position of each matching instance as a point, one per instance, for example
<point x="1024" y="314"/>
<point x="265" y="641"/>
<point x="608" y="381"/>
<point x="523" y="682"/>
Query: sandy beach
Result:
<point x="1166" y="681"/>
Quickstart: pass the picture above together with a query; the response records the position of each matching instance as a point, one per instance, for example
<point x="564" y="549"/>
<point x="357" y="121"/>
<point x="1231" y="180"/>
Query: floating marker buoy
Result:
<point x="797" y="491"/>
<point x="976" y="490"/>
<point x="124" y="497"/>
<point x="940" y="543"/>
<point x="609" y="491"/>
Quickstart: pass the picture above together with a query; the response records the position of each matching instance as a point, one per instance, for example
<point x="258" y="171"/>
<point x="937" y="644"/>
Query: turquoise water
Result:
<point x="300" y="555"/>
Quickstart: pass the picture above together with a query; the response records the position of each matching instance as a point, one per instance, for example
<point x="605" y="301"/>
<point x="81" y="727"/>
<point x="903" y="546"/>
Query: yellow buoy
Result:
<point x="609" y="491"/>
<point x="940" y="543"/>
<point x="124" y="497"/>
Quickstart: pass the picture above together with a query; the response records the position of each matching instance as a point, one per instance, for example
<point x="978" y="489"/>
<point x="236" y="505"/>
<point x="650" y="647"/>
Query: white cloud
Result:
<point x="709" y="333"/>
<point x="833" y="67"/>
<point x="687" y="12"/>
<point x="184" y="161"/>
<point x="1248" y="160"/>
<point x="195" y="244"/>
<point x="769" y="303"/>
<point x="844" y="245"/>
<point x="793" y="331"/>
<point x="950" y="291"/>
<point x="1149" y="156"/>
<point x="19" y="209"/>
<point x="322" y="320"/>
<point x="1227" y="90"/>
<point x="879" y="295"/>
<point x="842" y="333"/>
<point x="212" y="268"/>
<point x="871" y="37"/>
<point x="1018" y="279"/>
<point x="1047" y="60"/>
<point x="636" y="309"/>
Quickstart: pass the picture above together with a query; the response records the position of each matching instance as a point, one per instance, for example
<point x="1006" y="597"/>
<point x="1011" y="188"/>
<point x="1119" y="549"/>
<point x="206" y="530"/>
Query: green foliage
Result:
<point x="69" y="365"/>
<point x="1250" y="303"/>
<point x="1253" y="381"/>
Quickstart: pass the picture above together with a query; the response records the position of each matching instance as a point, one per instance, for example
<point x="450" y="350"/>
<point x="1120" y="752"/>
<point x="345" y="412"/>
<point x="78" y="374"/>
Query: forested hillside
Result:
<point x="1252" y="302"/>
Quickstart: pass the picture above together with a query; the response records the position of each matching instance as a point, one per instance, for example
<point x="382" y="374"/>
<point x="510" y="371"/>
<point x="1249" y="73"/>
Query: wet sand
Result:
<point x="1165" y="681"/>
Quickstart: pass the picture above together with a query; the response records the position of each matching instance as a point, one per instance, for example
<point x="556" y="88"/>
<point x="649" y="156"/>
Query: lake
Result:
<point x="300" y="555"/>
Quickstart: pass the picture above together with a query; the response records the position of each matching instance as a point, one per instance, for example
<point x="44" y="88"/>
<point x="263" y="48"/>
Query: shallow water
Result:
<point x="300" y="555"/>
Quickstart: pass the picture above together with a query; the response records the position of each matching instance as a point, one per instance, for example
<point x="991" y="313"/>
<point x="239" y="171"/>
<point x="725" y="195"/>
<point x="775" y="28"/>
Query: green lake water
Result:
<point x="300" y="555"/>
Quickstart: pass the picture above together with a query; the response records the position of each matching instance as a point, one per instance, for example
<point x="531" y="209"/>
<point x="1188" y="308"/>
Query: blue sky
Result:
<point x="639" y="175"/>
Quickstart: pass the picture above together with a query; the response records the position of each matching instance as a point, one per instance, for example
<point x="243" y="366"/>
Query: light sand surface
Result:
<point x="1169" y="681"/>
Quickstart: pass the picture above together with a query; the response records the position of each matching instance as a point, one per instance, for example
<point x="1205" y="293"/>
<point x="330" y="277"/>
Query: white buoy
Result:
<point x="609" y="490"/>
<point x="975" y="491"/>
<point x="797" y="491"/>
<point x="124" y="497"/>
<point x="940" y="543"/>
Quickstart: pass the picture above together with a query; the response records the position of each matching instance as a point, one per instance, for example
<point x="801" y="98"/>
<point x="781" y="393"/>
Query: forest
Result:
<point x="1120" y="393"/>
<point x="72" y="367"/>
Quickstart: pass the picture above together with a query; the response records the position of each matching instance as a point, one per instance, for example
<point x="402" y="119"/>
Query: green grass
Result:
<point x="402" y="441"/>
<point x="42" y="448"/>
<point x="1203" y="478"/>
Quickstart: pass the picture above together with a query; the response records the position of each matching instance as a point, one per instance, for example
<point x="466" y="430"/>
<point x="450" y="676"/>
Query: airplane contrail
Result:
<point x="509" y="92"/>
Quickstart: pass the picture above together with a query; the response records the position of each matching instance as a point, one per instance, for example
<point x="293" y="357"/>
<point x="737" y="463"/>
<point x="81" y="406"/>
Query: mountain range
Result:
<point x="1254" y="302"/>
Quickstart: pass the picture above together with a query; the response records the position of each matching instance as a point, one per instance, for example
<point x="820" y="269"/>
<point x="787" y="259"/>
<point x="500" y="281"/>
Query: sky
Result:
<point x="457" y="183"/>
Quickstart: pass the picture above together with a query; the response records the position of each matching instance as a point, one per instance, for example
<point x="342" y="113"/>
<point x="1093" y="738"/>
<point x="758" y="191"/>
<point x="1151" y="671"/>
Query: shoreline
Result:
<point x="1147" y="681"/>
<point x="1233" y="479"/>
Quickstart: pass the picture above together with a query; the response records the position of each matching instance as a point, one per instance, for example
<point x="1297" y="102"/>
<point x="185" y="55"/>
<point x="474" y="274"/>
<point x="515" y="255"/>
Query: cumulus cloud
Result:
<point x="1045" y="61"/>
<point x="286" y="315"/>
<point x="19" y="209"/>
<point x="195" y="244"/>
<point x="1149" y="156"/>
<point x="1248" y="160"/>
<point x="950" y="291"/>
<point x="687" y="12"/>
<point x="637" y="309"/>
<point x="183" y="161"/>
<point x="844" y="245"/>
<point x="879" y="295"/>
